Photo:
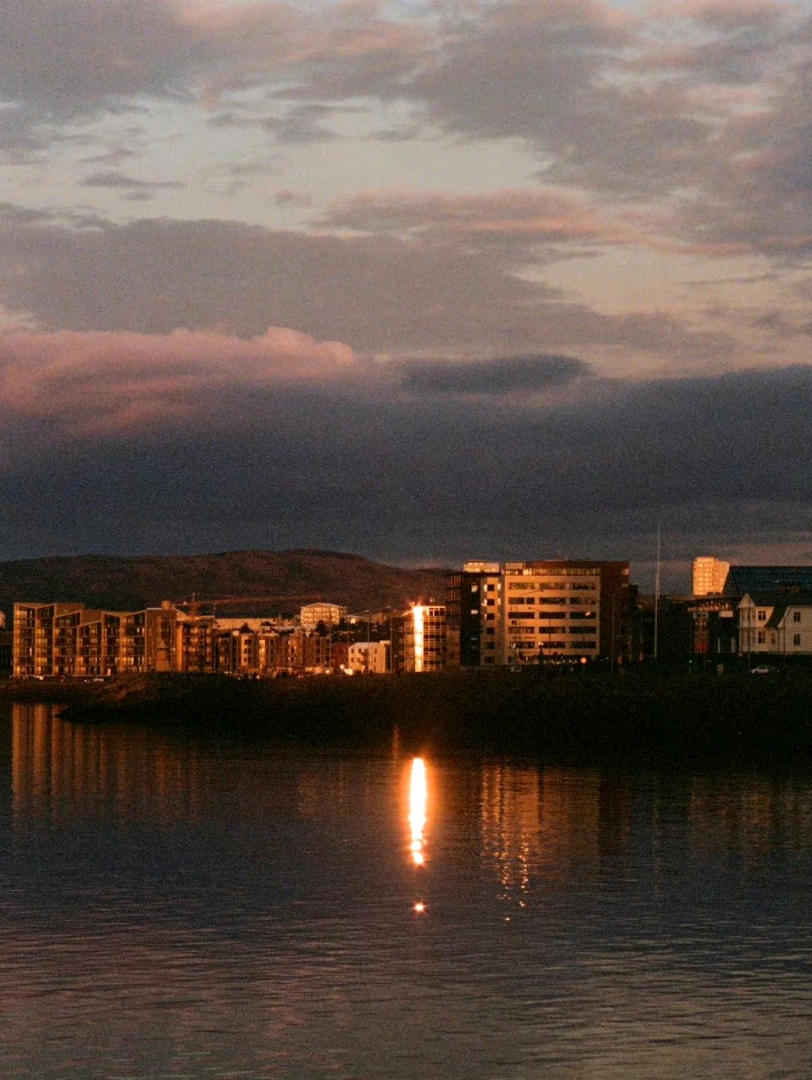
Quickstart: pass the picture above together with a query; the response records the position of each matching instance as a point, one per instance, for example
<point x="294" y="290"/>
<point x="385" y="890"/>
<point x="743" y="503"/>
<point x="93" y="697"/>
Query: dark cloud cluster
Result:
<point x="513" y="374"/>
<point x="454" y="476"/>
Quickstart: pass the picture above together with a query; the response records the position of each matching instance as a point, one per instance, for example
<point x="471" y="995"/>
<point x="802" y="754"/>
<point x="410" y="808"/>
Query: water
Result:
<point x="172" y="906"/>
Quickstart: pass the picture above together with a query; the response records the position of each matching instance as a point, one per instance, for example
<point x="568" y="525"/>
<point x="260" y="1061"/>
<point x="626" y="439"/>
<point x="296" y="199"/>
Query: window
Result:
<point x="796" y="639"/>
<point x="796" y="616"/>
<point x="761" y="615"/>
<point x="761" y="637"/>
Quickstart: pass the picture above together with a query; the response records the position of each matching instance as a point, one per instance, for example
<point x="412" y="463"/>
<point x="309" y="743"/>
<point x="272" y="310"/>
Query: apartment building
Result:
<point x="321" y="612"/>
<point x="67" y="640"/>
<point x="293" y="653"/>
<point x="419" y="639"/>
<point x="545" y="610"/>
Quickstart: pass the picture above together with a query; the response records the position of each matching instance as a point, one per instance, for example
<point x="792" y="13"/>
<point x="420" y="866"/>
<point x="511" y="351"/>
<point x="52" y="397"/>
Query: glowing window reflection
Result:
<point x="418" y="792"/>
<point x="418" y="612"/>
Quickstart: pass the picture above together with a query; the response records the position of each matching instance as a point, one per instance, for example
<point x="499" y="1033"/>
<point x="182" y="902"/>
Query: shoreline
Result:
<point x="661" y="717"/>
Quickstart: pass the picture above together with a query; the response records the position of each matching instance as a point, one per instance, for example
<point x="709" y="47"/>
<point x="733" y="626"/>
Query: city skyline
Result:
<point x="423" y="281"/>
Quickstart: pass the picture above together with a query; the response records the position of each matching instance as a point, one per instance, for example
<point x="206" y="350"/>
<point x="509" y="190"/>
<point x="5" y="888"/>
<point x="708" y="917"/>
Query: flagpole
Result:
<point x="657" y="597"/>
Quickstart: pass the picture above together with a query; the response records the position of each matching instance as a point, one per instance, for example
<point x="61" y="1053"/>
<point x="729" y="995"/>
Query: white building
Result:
<point x="369" y="657"/>
<point x="777" y="624"/>
<point x="709" y="574"/>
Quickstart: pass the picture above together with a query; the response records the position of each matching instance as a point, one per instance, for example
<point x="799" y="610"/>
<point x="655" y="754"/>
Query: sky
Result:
<point x="426" y="282"/>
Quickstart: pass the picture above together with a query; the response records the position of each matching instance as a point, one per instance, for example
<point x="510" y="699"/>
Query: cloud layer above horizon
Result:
<point x="426" y="281"/>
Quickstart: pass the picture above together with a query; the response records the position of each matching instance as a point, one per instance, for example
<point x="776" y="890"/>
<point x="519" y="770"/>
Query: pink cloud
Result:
<point x="100" y="380"/>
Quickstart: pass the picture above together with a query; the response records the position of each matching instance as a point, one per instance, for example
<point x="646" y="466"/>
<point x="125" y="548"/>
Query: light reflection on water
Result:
<point x="172" y="907"/>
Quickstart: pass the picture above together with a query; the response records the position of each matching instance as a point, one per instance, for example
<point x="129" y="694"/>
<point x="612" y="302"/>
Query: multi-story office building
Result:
<point x="709" y="575"/>
<point x="545" y="610"/>
<point x="473" y="627"/>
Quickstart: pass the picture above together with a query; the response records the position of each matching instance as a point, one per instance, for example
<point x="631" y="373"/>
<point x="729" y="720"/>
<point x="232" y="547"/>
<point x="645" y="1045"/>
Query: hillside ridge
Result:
<point x="249" y="582"/>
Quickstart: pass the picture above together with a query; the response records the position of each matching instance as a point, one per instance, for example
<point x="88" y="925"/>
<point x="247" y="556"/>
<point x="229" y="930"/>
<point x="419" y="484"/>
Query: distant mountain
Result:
<point x="235" y="582"/>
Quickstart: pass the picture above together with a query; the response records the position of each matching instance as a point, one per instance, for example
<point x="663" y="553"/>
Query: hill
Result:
<point x="237" y="582"/>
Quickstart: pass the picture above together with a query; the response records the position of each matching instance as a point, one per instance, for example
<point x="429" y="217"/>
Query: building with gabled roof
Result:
<point x="776" y="623"/>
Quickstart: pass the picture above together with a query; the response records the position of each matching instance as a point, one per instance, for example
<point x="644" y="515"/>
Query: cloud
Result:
<point x="494" y="377"/>
<point x="112" y="179"/>
<point x="61" y="60"/>
<point x="694" y="118"/>
<point x="67" y="57"/>
<point x="456" y="291"/>
<point x="252" y="455"/>
<point x="522" y="218"/>
<point x="96" y="382"/>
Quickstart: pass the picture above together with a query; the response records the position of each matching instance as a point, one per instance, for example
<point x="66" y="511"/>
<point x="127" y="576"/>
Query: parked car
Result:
<point x="764" y="669"/>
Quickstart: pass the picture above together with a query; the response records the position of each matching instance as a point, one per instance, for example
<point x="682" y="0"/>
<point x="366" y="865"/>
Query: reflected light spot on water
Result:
<point x="418" y="794"/>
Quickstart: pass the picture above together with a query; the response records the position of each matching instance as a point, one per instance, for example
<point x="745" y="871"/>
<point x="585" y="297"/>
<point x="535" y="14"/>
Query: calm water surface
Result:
<point x="173" y="906"/>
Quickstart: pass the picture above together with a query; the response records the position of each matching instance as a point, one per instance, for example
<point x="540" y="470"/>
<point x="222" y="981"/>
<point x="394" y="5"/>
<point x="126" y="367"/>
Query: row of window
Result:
<point x="761" y="615"/>
<point x="761" y="638"/>
<point x="559" y="586"/>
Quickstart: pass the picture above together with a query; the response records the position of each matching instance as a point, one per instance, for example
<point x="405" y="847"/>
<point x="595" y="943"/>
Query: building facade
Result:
<point x="709" y="575"/>
<point x="65" y="640"/>
<point x="369" y="658"/>
<point x="419" y="639"/>
<point x="329" y="614"/>
<point x="541" y="611"/>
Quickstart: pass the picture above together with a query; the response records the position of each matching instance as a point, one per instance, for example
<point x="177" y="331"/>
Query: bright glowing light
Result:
<point x="418" y="614"/>
<point x="420" y="907"/>
<point x="418" y="796"/>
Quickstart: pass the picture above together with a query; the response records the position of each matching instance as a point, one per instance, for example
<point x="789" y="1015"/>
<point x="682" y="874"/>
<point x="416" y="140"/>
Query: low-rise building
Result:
<point x="779" y="624"/>
<point x="369" y="658"/>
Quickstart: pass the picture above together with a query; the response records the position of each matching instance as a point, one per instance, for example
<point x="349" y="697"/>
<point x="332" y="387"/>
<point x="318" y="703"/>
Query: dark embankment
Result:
<point x="638" y="716"/>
